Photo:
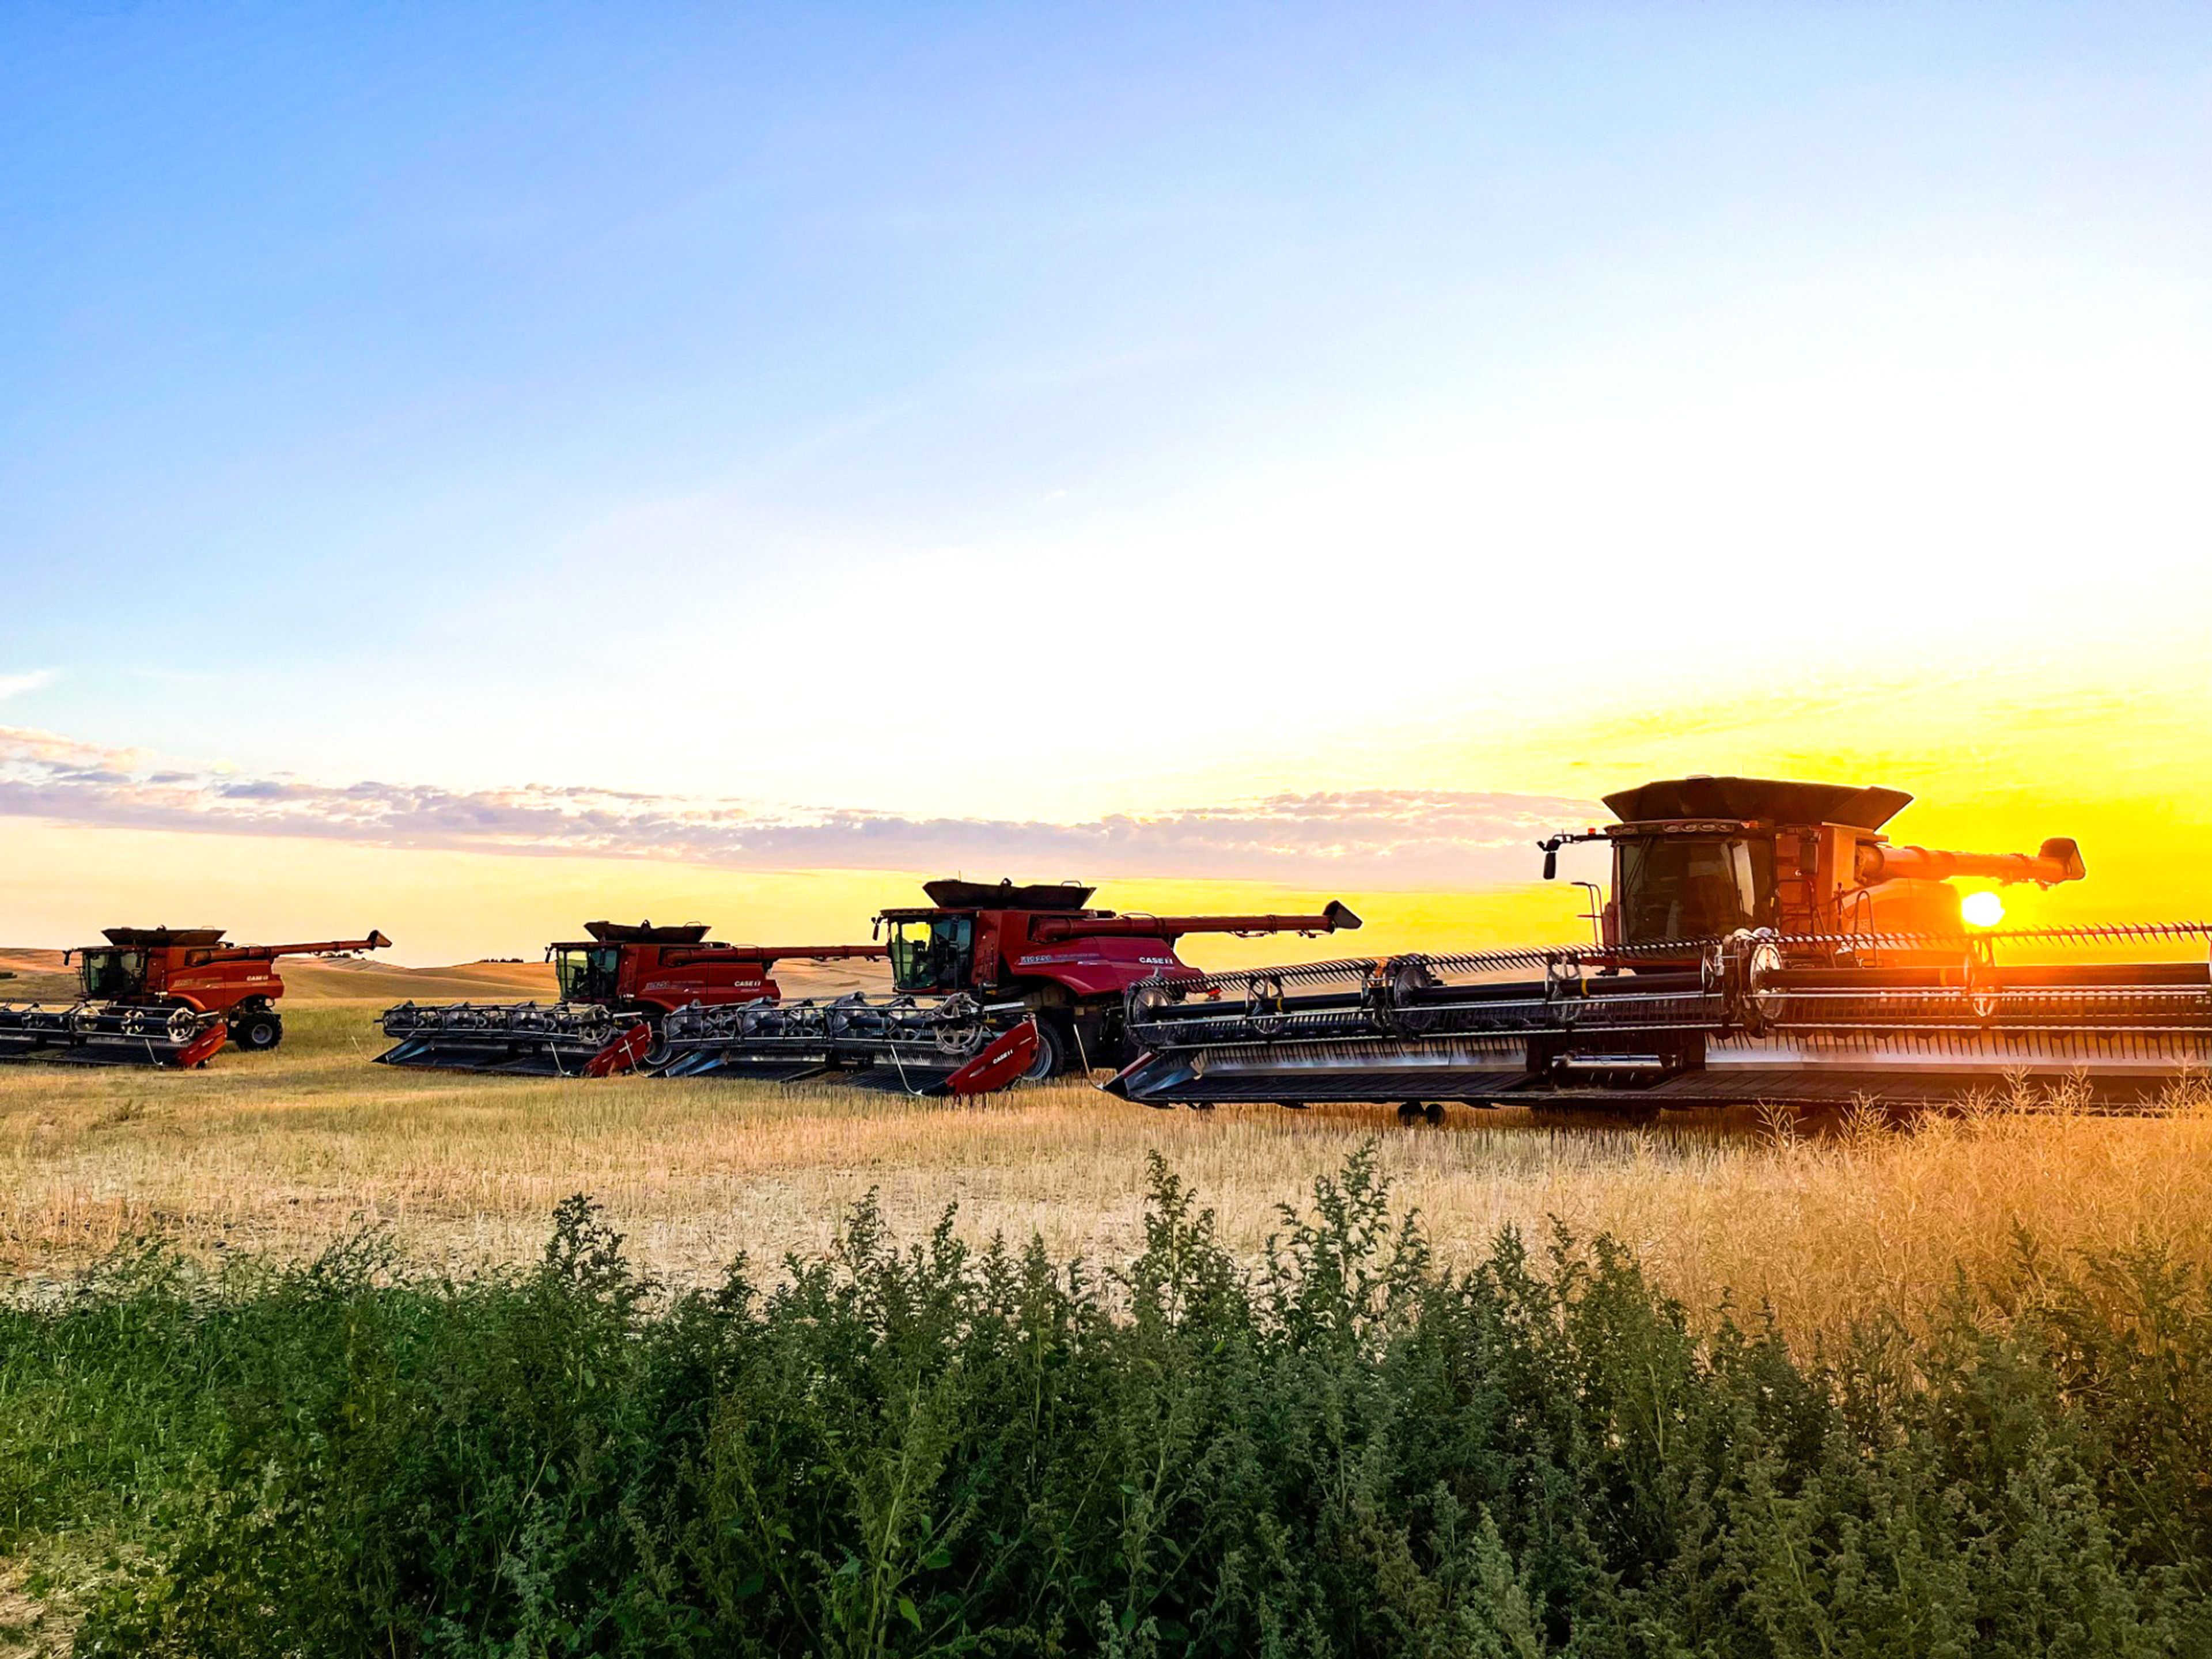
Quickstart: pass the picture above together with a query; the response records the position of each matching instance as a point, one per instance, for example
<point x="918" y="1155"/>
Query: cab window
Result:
<point x="933" y="954"/>
<point x="1684" y="888"/>
<point x="588" y="974"/>
<point x="114" y="972"/>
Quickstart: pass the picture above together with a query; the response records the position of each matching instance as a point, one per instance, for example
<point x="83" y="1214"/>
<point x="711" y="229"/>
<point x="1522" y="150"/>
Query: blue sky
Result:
<point x="1040" y="413"/>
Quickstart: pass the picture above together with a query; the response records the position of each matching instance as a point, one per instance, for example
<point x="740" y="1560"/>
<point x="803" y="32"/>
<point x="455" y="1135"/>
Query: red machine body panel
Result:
<point x="212" y="987"/>
<point x="661" y="978"/>
<point x="625" y="1055"/>
<point x="1095" y="967"/>
<point x="997" y="1066"/>
<point x="203" y="1049"/>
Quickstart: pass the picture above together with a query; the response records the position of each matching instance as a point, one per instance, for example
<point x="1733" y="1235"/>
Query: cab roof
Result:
<point x="1778" y="801"/>
<point x="644" y="932"/>
<point x="952" y="895"/>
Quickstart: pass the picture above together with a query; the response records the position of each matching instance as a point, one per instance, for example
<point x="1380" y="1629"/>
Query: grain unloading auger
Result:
<point x="163" y="996"/>
<point x="992" y="983"/>
<point x="1762" y="943"/>
<point x="616" y="989"/>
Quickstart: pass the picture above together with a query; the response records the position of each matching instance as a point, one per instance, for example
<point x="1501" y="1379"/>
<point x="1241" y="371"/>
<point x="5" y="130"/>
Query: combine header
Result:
<point x="992" y="983"/>
<point x="616" y="988"/>
<point x="1762" y="942"/>
<point x="163" y="996"/>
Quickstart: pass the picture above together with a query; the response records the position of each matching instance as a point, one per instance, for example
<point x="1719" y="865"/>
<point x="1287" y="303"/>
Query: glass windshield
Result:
<point x="586" y="974"/>
<point x="114" y="972"/>
<point x="1686" y="887"/>
<point x="932" y="955"/>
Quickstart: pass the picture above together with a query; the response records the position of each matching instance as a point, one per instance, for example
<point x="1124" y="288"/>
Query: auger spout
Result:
<point x="328" y="947"/>
<point x="766" y="956"/>
<point x="2058" y="859"/>
<point x="1335" y="917"/>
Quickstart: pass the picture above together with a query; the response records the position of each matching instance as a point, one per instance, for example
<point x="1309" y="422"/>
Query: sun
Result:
<point x="1982" y="909"/>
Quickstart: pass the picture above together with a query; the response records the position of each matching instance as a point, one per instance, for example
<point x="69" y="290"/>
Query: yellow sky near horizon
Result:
<point x="1996" y="765"/>
<point x="442" y="907"/>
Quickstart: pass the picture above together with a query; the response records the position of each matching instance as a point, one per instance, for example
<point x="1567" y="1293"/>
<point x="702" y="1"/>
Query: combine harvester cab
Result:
<point x="1762" y="942"/>
<point x="992" y="983"/>
<point x="164" y="996"/>
<point x="616" y="989"/>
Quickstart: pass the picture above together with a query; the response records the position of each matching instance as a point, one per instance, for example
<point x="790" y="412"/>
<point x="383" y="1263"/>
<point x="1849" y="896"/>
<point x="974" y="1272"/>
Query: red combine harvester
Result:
<point x="616" y="988"/>
<point x="1762" y="942"/>
<point x="164" y="996"/>
<point x="992" y="982"/>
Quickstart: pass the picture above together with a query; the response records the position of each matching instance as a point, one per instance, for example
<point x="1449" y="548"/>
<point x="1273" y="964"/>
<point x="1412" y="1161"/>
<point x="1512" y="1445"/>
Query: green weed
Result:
<point x="932" y="1448"/>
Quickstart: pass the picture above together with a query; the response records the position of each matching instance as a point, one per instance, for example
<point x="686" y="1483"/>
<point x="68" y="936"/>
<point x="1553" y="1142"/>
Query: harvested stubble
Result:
<point x="279" y="1155"/>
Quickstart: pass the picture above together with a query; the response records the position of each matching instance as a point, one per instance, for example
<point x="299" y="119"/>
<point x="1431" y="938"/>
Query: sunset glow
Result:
<point x="1311" y="459"/>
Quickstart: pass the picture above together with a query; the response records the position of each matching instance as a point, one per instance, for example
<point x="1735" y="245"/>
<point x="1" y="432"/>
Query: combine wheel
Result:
<point x="257" y="1029"/>
<point x="1414" y="1111"/>
<point x="1055" y="1051"/>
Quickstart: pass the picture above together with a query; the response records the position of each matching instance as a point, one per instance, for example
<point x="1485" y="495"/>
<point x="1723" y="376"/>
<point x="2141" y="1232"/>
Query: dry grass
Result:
<point x="283" y="1153"/>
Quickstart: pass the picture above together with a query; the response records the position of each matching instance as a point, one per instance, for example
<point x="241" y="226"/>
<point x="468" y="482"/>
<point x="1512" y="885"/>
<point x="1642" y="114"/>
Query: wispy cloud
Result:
<point x="1377" y="836"/>
<point x="14" y="684"/>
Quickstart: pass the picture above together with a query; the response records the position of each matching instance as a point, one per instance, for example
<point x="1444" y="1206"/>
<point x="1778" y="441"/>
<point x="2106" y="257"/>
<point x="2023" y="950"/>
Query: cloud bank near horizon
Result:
<point x="1387" y="837"/>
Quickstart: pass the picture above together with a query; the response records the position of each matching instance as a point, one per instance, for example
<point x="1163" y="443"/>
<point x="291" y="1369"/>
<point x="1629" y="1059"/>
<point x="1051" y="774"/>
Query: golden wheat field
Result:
<point x="280" y="1154"/>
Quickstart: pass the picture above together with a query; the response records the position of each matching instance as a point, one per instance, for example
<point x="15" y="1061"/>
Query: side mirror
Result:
<point x="1551" y="864"/>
